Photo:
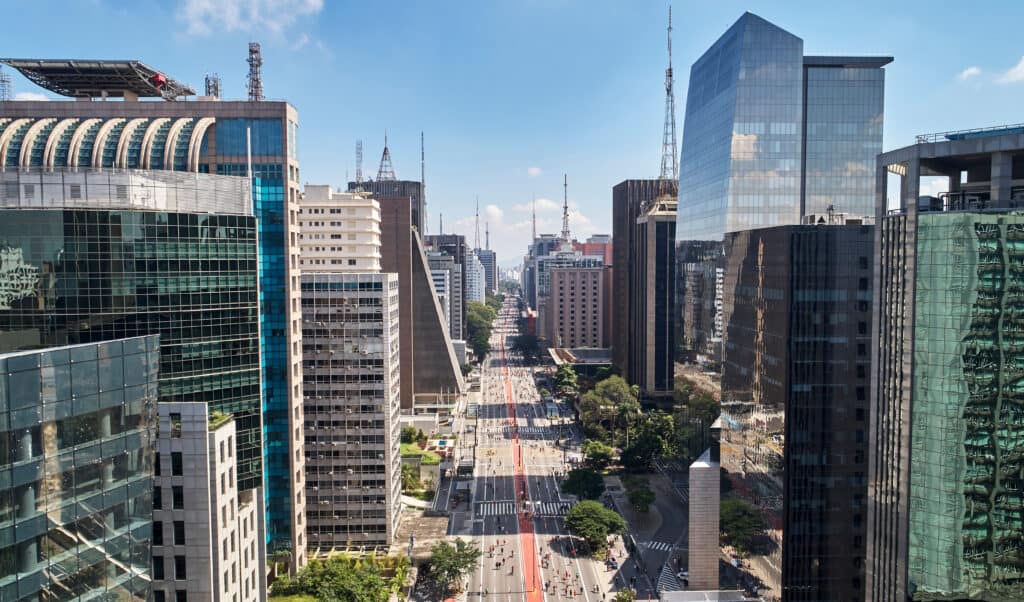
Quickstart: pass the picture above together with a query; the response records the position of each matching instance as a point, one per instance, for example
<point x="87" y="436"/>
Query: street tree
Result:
<point x="451" y="563"/>
<point x="594" y="523"/>
<point x="565" y="379"/>
<point x="598" y="455"/>
<point x="624" y="595"/>
<point x="408" y="434"/>
<point x="650" y="441"/>
<point x="739" y="523"/>
<point x="346" y="579"/>
<point x="641" y="499"/>
<point x="584" y="483"/>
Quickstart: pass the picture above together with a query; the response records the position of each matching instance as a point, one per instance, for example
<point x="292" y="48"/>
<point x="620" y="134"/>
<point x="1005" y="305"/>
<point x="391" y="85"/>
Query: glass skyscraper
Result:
<point x="206" y="137"/>
<point x="770" y="136"/>
<point x="77" y="426"/>
<point x="946" y="453"/>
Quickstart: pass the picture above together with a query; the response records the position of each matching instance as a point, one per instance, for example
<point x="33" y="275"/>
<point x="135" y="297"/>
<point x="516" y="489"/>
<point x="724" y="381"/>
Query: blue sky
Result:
<point x="501" y="87"/>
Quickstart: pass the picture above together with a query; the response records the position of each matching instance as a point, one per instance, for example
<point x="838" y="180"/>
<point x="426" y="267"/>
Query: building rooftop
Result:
<point x="100" y="79"/>
<point x="997" y="130"/>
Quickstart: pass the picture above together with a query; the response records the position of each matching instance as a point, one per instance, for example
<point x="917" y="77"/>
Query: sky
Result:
<point x="511" y="95"/>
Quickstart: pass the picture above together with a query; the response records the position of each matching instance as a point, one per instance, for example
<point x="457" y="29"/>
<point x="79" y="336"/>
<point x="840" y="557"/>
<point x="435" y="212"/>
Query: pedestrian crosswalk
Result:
<point x="660" y="546"/>
<point x="483" y="509"/>
<point x="529" y="430"/>
<point x="667" y="582"/>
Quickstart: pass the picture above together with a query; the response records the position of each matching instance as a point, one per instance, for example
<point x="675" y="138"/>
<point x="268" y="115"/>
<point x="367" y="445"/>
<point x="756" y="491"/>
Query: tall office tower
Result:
<point x="628" y="197"/>
<point x="439" y="261"/>
<point x="543" y="268"/>
<point x="770" y="135"/>
<point x="455" y="246"/>
<point x="351" y="373"/>
<point x="490" y="262"/>
<point x="543" y="245"/>
<point x="476" y="279"/>
<point x="382" y="190"/>
<point x="208" y="536"/>
<point x="576" y="307"/>
<point x="431" y="372"/>
<point x="79" y="423"/>
<point x="338" y="231"/>
<point x="441" y="278"/>
<point x="795" y="369"/>
<point x="947" y="424"/>
<point x="208" y="136"/>
<point x="652" y="357"/>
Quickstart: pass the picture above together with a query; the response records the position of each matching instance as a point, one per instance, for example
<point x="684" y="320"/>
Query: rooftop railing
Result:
<point x="967" y="134"/>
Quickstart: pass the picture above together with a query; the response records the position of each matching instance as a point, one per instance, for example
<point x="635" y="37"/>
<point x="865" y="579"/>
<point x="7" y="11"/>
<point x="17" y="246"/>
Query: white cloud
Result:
<point x="969" y="72"/>
<point x="30" y="96"/>
<point x="1016" y="74"/>
<point x="493" y="213"/>
<point x="301" y="41"/>
<point x="203" y="17"/>
<point x="542" y="205"/>
<point x="533" y="172"/>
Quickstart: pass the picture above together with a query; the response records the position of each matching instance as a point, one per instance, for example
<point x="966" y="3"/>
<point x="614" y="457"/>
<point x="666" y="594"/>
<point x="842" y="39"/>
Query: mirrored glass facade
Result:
<point x="77" y="426"/>
<point x="770" y="136"/>
<point x="76" y="276"/>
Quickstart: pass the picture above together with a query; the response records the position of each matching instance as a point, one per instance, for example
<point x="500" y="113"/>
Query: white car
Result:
<point x="683" y="574"/>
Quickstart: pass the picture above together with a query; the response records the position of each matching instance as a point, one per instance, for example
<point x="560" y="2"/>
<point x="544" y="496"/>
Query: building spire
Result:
<point x="533" y="208"/>
<point x="423" y="183"/>
<point x="669" y="157"/>
<point x="487" y="236"/>
<point x="386" y="170"/>
<point x="565" y="209"/>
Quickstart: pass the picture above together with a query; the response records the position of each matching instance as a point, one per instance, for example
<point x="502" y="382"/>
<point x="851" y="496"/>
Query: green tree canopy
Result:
<point x="594" y="523"/>
<point x="641" y="498"/>
<point x="451" y="563"/>
<point x="598" y="455"/>
<point x="565" y="379"/>
<point x="408" y="434"/>
<point x="584" y="483"/>
<point x="740" y="522"/>
<point x="346" y="579"/>
<point x="624" y="595"/>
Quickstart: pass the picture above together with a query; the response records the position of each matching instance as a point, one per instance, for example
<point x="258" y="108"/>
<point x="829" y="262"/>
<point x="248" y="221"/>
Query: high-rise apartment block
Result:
<point x="339" y="231"/>
<point x="351" y="368"/>
<point x="443" y="268"/>
<point x="205" y="136"/>
<point x="476" y="279"/>
<point x="208" y="539"/>
<point x="352" y="372"/>
<point x="946" y="405"/>
<point x="78" y="424"/>
<point x="770" y="136"/>
<point x="796" y="365"/>
<point x="576" y="307"/>
<point x="490" y="261"/>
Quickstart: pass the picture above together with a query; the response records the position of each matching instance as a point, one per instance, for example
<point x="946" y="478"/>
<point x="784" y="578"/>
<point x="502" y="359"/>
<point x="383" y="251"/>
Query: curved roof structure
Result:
<point x="167" y="143"/>
<point x="100" y="79"/>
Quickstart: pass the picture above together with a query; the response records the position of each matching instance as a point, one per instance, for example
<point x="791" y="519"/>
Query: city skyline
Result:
<point x="486" y="133"/>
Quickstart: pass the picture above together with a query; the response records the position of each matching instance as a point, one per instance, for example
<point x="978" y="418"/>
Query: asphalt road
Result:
<point x="517" y="508"/>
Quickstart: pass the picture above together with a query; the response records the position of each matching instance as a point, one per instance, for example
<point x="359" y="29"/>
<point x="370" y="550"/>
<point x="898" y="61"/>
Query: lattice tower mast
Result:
<point x="255" y="83"/>
<point x="476" y="235"/>
<point x="386" y="171"/>
<point x="423" y="184"/>
<point x="359" y="165"/>
<point x="565" y="209"/>
<point x="533" y="209"/>
<point x="212" y="85"/>
<point x="669" y="157"/>
<point x="6" y="89"/>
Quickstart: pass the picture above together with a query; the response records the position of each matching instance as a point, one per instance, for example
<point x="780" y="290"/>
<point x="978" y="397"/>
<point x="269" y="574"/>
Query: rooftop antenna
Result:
<point x="565" y="209"/>
<point x="255" y="83"/>
<point x="386" y="171"/>
<point x="476" y="236"/>
<point x="440" y="223"/>
<point x="487" y="236"/>
<point x="533" y="208"/>
<point x="359" y="165"/>
<point x="423" y="182"/>
<point x="6" y="89"/>
<point x="669" y="158"/>
<point x="212" y="85"/>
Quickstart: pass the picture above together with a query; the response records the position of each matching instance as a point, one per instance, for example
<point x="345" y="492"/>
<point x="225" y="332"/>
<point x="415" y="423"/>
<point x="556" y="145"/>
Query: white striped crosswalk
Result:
<point x="509" y="508"/>
<point x="657" y="545"/>
<point x="530" y="430"/>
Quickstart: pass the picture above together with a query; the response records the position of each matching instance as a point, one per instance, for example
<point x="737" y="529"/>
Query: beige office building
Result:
<point x="575" y="307"/>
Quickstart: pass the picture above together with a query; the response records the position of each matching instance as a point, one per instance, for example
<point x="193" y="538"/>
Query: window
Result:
<point x="158" y="533"/>
<point x="158" y="567"/>
<point x="158" y="498"/>
<point x="156" y="464"/>
<point x="175" y="427"/>
<point x="178" y="495"/>
<point x="176" y="467"/>
<point x="179" y="532"/>
<point x="159" y="596"/>
<point x="180" y="596"/>
<point x="179" y="568"/>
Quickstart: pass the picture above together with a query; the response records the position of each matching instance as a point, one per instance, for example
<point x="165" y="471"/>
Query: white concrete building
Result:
<point x="350" y="369"/>
<point x="476" y="279"/>
<point x="209" y="539"/>
<point x="338" y="231"/>
<point x="442" y="286"/>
